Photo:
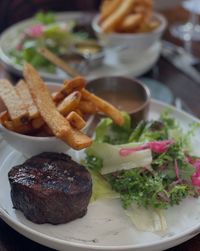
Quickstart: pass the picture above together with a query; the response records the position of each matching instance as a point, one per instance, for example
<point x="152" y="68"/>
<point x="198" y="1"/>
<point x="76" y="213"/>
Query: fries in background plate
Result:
<point x="33" y="110"/>
<point x="127" y="16"/>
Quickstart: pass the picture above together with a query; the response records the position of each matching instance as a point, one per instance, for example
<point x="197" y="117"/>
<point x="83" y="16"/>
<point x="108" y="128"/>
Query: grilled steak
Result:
<point x="50" y="188"/>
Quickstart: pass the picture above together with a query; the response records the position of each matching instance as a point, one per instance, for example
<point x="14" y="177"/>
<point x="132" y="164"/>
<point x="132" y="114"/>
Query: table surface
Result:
<point x="180" y="85"/>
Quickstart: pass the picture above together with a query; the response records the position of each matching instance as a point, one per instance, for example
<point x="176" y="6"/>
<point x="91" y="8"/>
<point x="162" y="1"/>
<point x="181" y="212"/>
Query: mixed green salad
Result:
<point x="150" y="168"/>
<point x="46" y="32"/>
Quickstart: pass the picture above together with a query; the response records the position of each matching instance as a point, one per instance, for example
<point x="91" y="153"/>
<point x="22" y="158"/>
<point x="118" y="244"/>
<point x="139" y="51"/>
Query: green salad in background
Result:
<point x="46" y="32"/>
<point x="150" y="168"/>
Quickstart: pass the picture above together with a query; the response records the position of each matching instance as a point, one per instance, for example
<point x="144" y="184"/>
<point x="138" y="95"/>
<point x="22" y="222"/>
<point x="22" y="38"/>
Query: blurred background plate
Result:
<point x="112" y="64"/>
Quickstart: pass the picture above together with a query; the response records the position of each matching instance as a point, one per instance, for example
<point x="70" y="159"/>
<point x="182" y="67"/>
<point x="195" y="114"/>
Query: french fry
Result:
<point x="23" y="129"/>
<point x="108" y="8"/>
<point x="4" y="116"/>
<point x="76" y="120"/>
<point x="37" y="122"/>
<point x="53" y="58"/>
<point x="153" y="25"/>
<point x="143" y="27"/>
<point x="76" y="84"/>
<point x="115" y="19"/>
<point x="130" y="23"/>
<point x="53" y="94"/>
<point x="24" y="93"/>
<point x="58" y="96"/>
<point x="144" y="8"/>
<point x="145" y="3"/>
<point x="87" y="107"/>
<point x="9" y="125"/>
<point x="104" y="106"/>
<point x="66" y="106"/>
<point x="56" y="122"/>
<point x="69" y="103"/>
<point x="16" y="108"/>
<point x="104" y="5"/>
<point x="124" y="17"/>
<point x="5" y="121"/>
<point x="141" y="9"/>
<point x="77" y="110"/>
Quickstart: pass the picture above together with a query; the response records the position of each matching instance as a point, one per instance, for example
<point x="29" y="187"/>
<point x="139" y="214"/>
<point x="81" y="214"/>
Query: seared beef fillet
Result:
<point x="50" y="188"/>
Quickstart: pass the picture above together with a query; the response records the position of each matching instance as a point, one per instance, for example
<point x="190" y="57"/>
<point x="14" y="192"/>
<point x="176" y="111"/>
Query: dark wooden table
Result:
<point x="180" y="85"/>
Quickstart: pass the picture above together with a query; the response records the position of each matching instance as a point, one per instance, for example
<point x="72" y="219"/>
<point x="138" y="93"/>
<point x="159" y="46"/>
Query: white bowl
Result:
<point x="136" y="43"/>
<point x="31" y="145"/>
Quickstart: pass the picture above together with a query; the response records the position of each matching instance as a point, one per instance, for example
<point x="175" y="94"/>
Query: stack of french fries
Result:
<point x="127" y="16"/>
<point x="33" y="110"/>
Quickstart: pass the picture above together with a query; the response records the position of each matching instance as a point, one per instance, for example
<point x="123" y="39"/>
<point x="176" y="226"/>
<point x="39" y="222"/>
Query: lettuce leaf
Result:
<point x="45" y="17"/>
<point x="101" y="188"/>
<point x="107" y="131"/>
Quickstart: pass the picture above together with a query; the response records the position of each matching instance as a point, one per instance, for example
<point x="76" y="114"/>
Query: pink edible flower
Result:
<point x="196" y="164"/>
<point x="195" y="180"/>
<point x="154" y="146"/>
<point x="35" y="31"/>
<point x="196" y="176"/>
<point x="160" y="146"/>
<point x="127" y="151"/>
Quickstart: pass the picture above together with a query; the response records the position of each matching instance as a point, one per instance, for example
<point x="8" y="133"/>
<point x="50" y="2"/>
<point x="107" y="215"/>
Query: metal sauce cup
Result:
<point x="125" y="93"/>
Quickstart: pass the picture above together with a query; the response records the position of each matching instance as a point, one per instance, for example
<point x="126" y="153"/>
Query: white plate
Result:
<point x="111" y="65"/>
<point x="105" y="227"/>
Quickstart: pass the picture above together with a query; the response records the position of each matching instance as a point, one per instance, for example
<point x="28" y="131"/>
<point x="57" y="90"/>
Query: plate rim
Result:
<point x="46" y="240"/>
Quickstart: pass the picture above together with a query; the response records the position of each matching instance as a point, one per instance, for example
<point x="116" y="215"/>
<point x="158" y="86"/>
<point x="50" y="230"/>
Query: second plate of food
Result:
<point x="112" y="62"/>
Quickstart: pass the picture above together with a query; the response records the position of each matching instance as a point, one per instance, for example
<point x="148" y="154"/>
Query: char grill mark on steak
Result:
<point x="50" y="188"/>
